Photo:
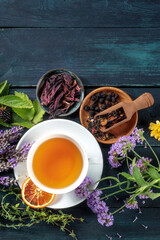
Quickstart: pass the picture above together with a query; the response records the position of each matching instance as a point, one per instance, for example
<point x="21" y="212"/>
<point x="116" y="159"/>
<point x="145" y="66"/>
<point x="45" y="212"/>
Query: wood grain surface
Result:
<point x="106" y="43"/>
<point x="111" y="57"/>
<point x="80" y="13"/>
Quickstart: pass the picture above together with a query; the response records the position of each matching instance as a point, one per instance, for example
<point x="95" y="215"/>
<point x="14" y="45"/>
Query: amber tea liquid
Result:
<point x="57" y="163"/>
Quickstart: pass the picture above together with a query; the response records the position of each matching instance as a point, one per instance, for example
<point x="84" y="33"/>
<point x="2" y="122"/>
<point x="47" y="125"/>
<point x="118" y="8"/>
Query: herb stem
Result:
<point x="116" y="185"/>
<point x="118" y="209"/>
<point x="153" y="153"/>
<point x="122" y="190"/>
<point x="144" y="159"/>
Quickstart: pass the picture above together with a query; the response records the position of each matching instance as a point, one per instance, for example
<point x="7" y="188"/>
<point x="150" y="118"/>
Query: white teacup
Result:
<point x="45" y="188"/>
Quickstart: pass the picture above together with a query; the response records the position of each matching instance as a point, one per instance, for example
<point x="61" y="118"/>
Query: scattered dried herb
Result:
<point x="59" y="93"/>
<point x="109" y="119"/>
<point x="99" y="102"/>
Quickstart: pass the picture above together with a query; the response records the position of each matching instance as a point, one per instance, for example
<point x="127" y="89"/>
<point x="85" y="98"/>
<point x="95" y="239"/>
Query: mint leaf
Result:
<point x="39" y="112"/>
<point x="5" y="90"/>
<point x="26" y="114"/>
<point x="17" y="120"/>
<point x="24" y="97"/>
<point x="153" y="173"/>
<point x="14" y="102"/>
<point x="128" y="176"/>
<point x="138" y="177"/>
<point x="2" y="86"/>
<point x="153" y="195"/>
<point x="26" y="124"/>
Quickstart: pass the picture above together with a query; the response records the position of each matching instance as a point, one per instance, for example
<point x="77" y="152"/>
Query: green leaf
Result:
<point x="153" y="195"/>
<point x="4" y="124"/>
<point x="39" y="112"/>
<point x="26" y="124"/>
<point x="14" y="102"/>
<point x="23" y="97"/>
<point x="17" y="205"/>
<point x="134" y="162"/>
<point x="5" y="90"/>
<point x="138" y="177"/>
<point x="2" y="86"/>
<point x="153" y="173"/>
<point x="17" y="120"/>
<point x="128" y="176"/>
<point x="26" y="114"/>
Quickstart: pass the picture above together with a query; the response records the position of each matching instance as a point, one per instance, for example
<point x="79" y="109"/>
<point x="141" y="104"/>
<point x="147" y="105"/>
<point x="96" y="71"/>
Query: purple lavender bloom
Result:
<point x="131" y="203"/>
<point x="94" y="203"/>
<point x="12" y="135"/>
<point x="141" y="165"/>
<point x="100" y="208"/>
<point x="114" y="161"/>
<point x="7" y="181"/>
<point x="82" y="190"/>
<point x="141" y="196"/>
<point x="18" y="156"/>
<point x="119" y="149"/>
<point x="109" y="220"/>
<point x="138" y="134"/>
<point x="3" y="146"/>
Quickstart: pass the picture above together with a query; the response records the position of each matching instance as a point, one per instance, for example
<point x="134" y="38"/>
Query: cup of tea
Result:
<point x="57" y="163"/>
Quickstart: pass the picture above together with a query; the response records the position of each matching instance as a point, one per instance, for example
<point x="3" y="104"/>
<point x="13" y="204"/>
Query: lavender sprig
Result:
<point x="9" y="156"/>
<point x="8" y="181"/>
<point x="94" y="203"/>
<point x="12" y="135"/>
<point x="118" y="151"/>
<point x="18" y="156"/>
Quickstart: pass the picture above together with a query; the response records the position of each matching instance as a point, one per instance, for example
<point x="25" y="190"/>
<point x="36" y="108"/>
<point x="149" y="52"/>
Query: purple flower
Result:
<point x="7" y="181"/>
<point x="138" y="134"/>
<point x="3" y="146"/>
<point x="131" y="203"/>
<point x="109" y="220"/>
<point x="82" y="190"/>
<point x="16" y="157"/>
<point x="94" y="203"/>
<point x="119" y="149"/>
<point x="141" y="165"/>
<point x="12" y="135"/>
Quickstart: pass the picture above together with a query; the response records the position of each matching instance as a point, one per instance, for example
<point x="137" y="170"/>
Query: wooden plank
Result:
<point x="91" y="229"/>
<point x="117" y="57"/>
<point x="80" y="13"/>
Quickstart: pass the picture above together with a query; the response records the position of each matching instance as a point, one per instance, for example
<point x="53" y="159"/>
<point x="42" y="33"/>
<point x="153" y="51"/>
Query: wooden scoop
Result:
<point x="144" y="101"/>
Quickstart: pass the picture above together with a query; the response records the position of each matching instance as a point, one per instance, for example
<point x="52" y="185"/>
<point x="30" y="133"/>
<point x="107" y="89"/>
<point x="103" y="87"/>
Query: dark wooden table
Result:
<point x="106" y="43"/>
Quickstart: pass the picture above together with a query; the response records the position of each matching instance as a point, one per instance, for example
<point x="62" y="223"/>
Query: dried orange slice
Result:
<point x="34" y="197"/>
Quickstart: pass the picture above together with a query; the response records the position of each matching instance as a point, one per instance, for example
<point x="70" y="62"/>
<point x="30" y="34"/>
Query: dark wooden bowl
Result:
<point x="41" y="83"/>
<point x="124" y="129"/>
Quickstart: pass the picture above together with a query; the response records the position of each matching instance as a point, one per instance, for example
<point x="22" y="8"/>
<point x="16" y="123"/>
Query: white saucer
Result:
<point x="79" y="133"/>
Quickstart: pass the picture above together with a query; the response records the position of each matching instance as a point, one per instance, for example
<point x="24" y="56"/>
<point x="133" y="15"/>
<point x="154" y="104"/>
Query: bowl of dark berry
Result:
<point x="96" y="102"/>
<point x="60" y="92"/>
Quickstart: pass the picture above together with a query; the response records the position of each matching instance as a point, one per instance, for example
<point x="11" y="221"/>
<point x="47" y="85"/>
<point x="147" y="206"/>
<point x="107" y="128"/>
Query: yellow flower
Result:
<point x="155" y="130"/>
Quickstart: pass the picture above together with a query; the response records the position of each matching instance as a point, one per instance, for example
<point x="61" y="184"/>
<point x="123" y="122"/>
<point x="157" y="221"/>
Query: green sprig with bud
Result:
<point x="19" y="215"/>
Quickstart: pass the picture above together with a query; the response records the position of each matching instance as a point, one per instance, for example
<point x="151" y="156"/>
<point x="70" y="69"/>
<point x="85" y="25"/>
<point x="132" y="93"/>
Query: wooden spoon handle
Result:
<point x="144" y="101"/>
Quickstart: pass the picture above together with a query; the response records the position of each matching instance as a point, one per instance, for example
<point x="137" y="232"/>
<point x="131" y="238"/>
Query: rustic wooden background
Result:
<point x="106" y="43"/>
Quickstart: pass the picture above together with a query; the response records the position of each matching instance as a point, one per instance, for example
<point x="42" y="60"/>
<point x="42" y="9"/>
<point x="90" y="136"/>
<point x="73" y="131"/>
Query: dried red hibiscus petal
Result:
<point x="59" y="93"/>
